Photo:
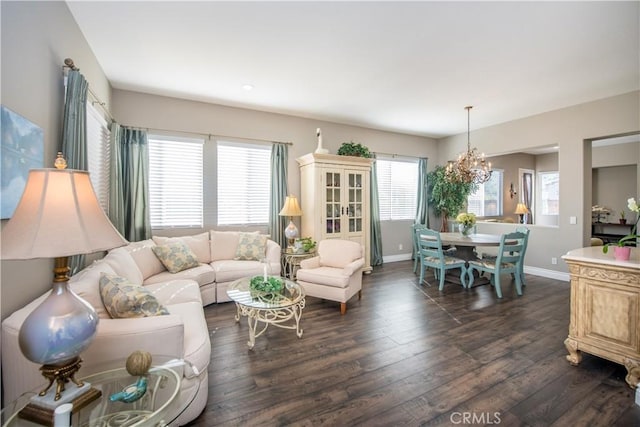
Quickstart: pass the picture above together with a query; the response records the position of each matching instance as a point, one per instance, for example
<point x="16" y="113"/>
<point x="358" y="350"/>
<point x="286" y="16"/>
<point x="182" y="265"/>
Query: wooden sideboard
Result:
<point x="605" y="308"/>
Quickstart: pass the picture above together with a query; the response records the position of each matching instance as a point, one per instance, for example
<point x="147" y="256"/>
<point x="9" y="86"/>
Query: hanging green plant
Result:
<point x="353" y="149"/>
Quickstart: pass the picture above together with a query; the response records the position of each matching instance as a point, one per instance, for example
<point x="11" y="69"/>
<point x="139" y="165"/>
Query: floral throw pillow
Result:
<point x="123" y="299"/>
<point x="176" y="256"/>
<point x="251" y="247"/>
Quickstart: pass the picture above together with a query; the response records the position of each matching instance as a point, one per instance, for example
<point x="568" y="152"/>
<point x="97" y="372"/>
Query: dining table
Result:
<point x="465" y="249"/>
<point x="465" y="245"/>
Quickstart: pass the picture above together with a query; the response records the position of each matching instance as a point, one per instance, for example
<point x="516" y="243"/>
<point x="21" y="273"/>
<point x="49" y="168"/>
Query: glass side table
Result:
<point x="156" y="408"/>
<point x="291" y="262"/>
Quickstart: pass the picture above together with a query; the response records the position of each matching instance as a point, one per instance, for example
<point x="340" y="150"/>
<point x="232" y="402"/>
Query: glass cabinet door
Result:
<point x="332" y="202"/>
<point x="344" y="202"/>
<point x="355" y="202"/>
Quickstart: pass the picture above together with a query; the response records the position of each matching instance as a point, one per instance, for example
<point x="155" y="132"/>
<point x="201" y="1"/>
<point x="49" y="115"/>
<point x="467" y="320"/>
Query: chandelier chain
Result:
<point x="470" y="167"/>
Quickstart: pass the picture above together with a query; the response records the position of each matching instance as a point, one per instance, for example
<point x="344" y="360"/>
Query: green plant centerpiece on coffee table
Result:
<point x="272" y="285"/>
<point x="353" y="149"/>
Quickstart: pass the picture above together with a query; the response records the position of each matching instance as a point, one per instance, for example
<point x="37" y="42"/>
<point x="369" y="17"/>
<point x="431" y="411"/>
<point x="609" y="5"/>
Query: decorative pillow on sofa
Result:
<point x="123" y="299"/>
<point x="176" y="256"/>
<point x="198" y="243"/>
<point x="251" y="247"/>
<point x="86" y="284"/>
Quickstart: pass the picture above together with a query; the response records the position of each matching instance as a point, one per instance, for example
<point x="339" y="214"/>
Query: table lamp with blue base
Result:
<point x="291" y="208"/>
<point x="58" y="216"/>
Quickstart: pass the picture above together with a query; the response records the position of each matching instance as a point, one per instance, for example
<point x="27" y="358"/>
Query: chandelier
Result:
<point x="470" y="167"/>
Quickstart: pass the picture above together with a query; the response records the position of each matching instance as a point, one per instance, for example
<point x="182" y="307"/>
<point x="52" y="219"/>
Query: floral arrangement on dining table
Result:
<point x="466" y="221"/>
<point x="630" y="238"/>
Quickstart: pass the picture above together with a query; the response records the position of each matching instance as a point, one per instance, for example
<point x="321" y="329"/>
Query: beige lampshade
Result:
<point x="521" y="209"/>
<point x="291" y="207"/>
<point x="58" y="216"/>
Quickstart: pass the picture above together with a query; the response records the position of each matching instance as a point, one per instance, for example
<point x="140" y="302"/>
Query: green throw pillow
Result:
<point x="123" y="299"/>
<point x="176" y="256"/>
<point x="251" y="246"/>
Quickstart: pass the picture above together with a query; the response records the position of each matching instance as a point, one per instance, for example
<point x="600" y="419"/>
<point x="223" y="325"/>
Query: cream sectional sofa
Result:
<point x="216" y="252"/>
<point x="182" y="334"/>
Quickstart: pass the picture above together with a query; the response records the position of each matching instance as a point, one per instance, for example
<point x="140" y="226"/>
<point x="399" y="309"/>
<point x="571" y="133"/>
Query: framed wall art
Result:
<point x="22" y="148"/>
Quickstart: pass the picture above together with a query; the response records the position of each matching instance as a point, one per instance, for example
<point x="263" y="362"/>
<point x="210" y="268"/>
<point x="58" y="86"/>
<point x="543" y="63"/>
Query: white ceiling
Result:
<point x="408" y="67"/>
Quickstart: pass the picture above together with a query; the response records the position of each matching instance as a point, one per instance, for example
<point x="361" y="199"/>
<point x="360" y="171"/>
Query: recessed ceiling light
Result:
<point x="247" y="87"/>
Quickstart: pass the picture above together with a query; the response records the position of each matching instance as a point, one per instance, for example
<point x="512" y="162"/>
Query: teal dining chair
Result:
<point x="525" y="231"/>
<point x="525" y="242"/>
<point x="431" y="255"/>
<point x="508" y="260"/>
<point x="416" y="257"/>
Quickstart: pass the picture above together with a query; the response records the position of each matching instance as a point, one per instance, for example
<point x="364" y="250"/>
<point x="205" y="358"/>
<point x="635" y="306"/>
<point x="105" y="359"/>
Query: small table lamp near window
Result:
<point x="291" y="208"/>
<point x="58" y="216"/>
<point x="521" y="210"/>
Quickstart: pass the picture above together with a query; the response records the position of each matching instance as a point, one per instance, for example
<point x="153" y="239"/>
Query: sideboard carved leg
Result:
<point x="633" y="372"/>
<point x="574" y="357"/>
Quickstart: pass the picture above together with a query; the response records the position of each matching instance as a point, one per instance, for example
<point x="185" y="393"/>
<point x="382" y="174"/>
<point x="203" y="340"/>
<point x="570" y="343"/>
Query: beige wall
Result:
<point x="616" y="155"/>
<point x="612" y="187"/>
<point x="36" y="38"/>
<point x="510" y="165"/>
<point x="157" y="112"/>
<point x="568" y="128"/>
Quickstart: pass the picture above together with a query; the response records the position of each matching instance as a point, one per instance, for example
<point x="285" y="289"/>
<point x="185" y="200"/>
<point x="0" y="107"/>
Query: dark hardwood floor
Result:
<point x="407" y="354"/>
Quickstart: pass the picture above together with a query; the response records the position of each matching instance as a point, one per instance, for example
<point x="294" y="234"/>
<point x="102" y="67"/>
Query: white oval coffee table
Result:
<point x="269" y="309"/>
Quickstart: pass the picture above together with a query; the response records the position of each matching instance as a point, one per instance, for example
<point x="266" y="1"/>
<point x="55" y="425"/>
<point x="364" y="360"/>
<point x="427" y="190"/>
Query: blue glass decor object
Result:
<point x="132" y="392"/>
<point x="138" y="364"/>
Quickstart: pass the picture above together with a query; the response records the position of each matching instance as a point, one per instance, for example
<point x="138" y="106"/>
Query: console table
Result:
<point x="610" y="232"/>
<point x="605" y="308"/>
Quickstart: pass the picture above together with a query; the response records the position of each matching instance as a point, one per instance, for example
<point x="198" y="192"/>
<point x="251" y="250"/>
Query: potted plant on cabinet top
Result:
<point x="622" y="248"/>
<point x="353" y="149"/>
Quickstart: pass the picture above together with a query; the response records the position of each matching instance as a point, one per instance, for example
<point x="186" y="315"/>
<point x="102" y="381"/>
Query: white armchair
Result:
<point x="335" y="273"/>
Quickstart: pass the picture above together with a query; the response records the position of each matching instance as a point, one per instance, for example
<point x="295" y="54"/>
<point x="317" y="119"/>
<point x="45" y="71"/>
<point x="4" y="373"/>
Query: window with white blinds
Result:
<point x="98" y="154"/>
<point x="175" y="182"/>
<point x="244" y="172"/>
<point x="397" y="188"/>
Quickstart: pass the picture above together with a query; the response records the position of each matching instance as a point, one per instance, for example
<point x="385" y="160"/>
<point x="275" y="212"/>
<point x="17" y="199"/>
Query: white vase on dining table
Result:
<point x="465" y="229"/>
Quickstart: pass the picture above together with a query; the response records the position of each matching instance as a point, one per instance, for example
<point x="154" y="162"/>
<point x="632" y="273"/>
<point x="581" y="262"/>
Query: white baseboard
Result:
<point x="550" y="274"/>
<point x="396" y="258"/>
<point x="536" y="271"/>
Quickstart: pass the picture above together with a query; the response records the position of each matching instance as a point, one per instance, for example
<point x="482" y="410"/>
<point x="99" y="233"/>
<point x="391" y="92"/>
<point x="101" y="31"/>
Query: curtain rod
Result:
<point x="68" y="63"/>
<point x="209" y="135"/>
<point x="399" y="155"/>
